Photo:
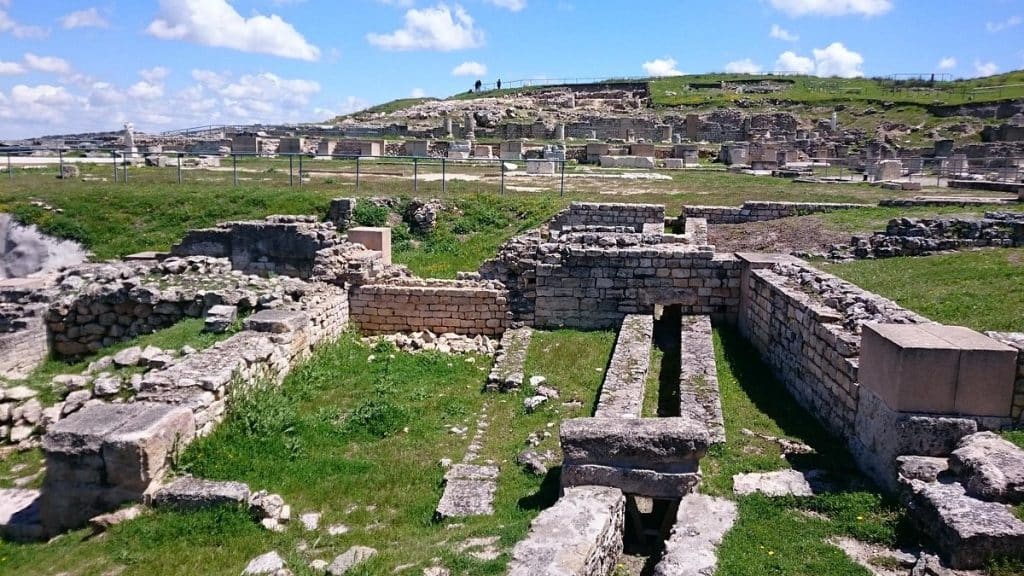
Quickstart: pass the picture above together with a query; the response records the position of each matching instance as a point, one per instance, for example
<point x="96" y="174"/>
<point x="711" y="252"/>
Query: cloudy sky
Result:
<point x="82" y="65"/>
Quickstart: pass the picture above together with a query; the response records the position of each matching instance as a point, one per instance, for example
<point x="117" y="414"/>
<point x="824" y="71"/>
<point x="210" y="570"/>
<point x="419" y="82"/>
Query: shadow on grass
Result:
<point x="548" y="493"/>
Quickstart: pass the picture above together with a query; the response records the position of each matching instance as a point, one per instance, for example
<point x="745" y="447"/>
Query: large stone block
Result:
<point x="377" y="239"/>
<point x="987" y="370"/>
<point x="909" y="368"/>
<point x="276" y="321"/>
<point x="665" y="444"/>
<point x="190" y="493"/>
<point x="138" y="452"/>
<point x="581" y="535"/>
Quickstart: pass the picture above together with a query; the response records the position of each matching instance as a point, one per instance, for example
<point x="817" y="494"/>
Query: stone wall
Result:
<point x="462" y="307"/>
<point x="758" y="211"/>
<point x="806" y="326"/>
<point x="593" y="287"/>
<point x="632" y="216"/>
<point x="920" y="237"/>
<point x="622" y="394"/>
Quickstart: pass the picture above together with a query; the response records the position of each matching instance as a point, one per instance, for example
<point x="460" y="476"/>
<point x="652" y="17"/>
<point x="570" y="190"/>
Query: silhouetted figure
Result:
<point x="499" y="83"/>
<point x="478" y="85"/>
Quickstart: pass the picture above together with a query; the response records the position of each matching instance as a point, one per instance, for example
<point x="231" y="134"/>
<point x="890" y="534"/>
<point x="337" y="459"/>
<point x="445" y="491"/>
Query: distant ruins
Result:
<point x="913" y="400"/>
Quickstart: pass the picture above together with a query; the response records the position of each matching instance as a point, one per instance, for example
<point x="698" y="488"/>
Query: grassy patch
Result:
<point x="21" y="465"/>
<point x="1015" y="436"/>
<point x="976" y="288"/>
<point x="863" y="220"/>
<point x="785" y="535"/>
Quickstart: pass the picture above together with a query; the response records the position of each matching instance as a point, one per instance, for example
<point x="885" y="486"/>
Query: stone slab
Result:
<point x="633" y="481"/>
<point x="780" y="483"/>
<point x="580" y="535"/>
<point x="990" y="467"/>
<point x="701" y="523"/>
<point x="377" y="239"/>
<point x="276" y="321"/>
<point x="19" y="514"/>
<point x="673" y="445"/>
<point x="138" y="452"/>
<point x="190" y="493"/>
<point x="464" y="498"/>
<point x="910" y="369"/>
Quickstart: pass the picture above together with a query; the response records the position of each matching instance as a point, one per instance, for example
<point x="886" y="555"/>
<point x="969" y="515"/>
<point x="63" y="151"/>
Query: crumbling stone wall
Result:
<point x="758" y="211"/>
<point x="22" y="338"/>
<point x="462" y="307"/>
<point x="919" y="237"/>
<point x="806" y="326"/>
<point x="632" y="216"/>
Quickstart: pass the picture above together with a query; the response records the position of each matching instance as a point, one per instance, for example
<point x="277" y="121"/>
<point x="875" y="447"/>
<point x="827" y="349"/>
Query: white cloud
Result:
<point x="837" y="60"/>
<point x="791" y="63"/>
<point x="745" y="66"/>
<point x="103" y="95"/>
<point x="1005" y="24"/>
<point x="35" y="104"/>
<point x="144" y="90"/>
<point x="661" y="67"/>
<point x="7" y="24"/>
<point x="985" y="68"/>
<point x="780" y="33"/>
<point x="438" y="28"/>
<point x="50" y="64"/>
<point x="947" y="63"/>
<point x="348" y="106"/>
<point x="418" y="93"/>
<point x="154" y="74"/>
<point x="469" y="69"/>
<point x="513" y="5"/>
<point x="832" y="7"/>
<point x="84" y="19"/>
<point x="217" y="23"/>
<point x="11" y="68"/>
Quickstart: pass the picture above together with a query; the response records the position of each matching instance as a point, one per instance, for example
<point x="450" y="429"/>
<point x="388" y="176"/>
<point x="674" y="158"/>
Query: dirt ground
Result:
<point x="801" y="234"/>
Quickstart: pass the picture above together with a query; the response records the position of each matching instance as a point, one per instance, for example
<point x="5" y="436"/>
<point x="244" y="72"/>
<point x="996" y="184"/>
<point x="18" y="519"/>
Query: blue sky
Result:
<point x="80" y="65"/>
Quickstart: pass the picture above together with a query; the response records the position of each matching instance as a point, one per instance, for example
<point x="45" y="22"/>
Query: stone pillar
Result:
<point x="666" y="133"/>
<point x="693" y="127"/>
<point x="448" y="127"/>
<point x="470" y="126"/>
<point x="560" y="132"/>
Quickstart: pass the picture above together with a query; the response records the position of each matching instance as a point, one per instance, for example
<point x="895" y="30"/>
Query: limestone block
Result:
<point x="277" y="321"/>
<point x="665" y="444"/>
<point x="376" y="239"/>
<point x="219" y="318"/>
<point x="990" y="467"/>
<point x="910" y="369"/>
<point x="540" y="167"/>
<point x="192" y="493"/>
<point x="581" y="535"/>
<point x="986" y="373"/>
<point x="138" y="453"/>
<point x="701" y="523"/>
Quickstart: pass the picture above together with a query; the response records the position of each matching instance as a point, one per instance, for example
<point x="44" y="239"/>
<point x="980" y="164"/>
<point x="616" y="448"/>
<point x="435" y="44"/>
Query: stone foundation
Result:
<point x="758" y="211"/>
<point x="461" y="307"/>
<point x="622" y="394"/>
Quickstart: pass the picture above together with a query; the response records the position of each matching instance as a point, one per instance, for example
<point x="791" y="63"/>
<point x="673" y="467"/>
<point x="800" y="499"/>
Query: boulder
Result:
<point x="268" y="563"/>
<point x="990" y="467"/>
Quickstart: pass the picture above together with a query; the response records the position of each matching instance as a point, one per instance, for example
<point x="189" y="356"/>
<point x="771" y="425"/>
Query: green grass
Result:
<point x="786" y="535"/>
<point x="978" y="288"/>
<point x="360" y="442"/>
<point x="863" y="220"/>
<point x="20" y="465"/>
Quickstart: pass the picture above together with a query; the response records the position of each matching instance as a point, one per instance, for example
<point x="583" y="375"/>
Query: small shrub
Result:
<point x="377" y="417"/>
<point x="369" y="214"/>
<point x="261" y="411"/>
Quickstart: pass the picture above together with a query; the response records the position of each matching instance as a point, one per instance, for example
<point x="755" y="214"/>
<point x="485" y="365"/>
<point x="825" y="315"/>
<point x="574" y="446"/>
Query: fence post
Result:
<point x="444" y="175"/>
<point x="60" y="154"/>
<point x="10" y="168"/>
<point x="415" y="175"/>
<point x="127" y="156"/>
<point x="179" y="167"/>
<point x="113" y="160"/>
<point x="502" y="164"/>
<point x="300" y="170"/>
<point x="357" y="172"/>
<point x="234" y="169"/>
<point x="561" y="191"/>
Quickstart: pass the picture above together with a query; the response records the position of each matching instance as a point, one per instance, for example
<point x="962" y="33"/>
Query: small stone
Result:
<point x="32" y="411"/>
<point x="337" y="529"/>
<point x="128" y="357"/>
<point x="265" y="505"/>
<point x="187" y="350"/>
<point x="19" y="393"/>
<point x="154" y="357"/>
<point x="285" y="514"/>
<point x="532" y="462"/>
<point x="546" y="392"/>
<point x="75" y="400"/>
<point x="318" y="565"/>
<point x="536" y="381"/>
<point x="104" y="363"/>
<point x="106" y="385"/>
<point x="533" y="402"/>
<point x="219" y="318"/>
<point x="310" y="520"/>
<point x="105" y="521"/>
<point x="272" y="524"/>
<point x="19" y="433"/>
<point x="351" y="558"/>
<point x="266" y="564"/>
<point x="69" y="382"/>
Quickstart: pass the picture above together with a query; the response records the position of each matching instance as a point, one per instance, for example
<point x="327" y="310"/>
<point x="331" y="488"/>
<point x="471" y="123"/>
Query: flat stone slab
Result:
<point x="507" y="372"/>
<point x="968" y="531"/>
<point x="664" y="444"/>
<point x="622" y="393"/>
<point x="190" y="493"/>
<point x="636" y="481"/>
<point x="699" y="396"/>
<point x="692" y="549"/>
<point x="276" y="321"/>
<point x="463" y="498"/>
<point x="990" y="467"/>
<point x="19" y="514"/>
<point x="581" y="535"/>
<point x="780" y="483"/>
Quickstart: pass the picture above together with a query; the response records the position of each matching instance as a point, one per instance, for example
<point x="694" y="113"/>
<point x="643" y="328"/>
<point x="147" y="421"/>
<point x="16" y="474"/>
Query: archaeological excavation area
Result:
<point x="608" y="394"/>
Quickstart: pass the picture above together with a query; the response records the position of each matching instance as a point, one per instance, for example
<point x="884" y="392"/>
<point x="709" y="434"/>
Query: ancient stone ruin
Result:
<point x="914" y="401"/>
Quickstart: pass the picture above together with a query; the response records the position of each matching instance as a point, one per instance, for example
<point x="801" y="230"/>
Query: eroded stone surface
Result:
<point x="990" y="467"/>
<point x="350" y="559"/>
<point x="701" y="523"/>
<point x="192" y="493"/>
<point x="469" y="491"/>
<point x="780" y="483"/>
<point x="265" y="564"/>
<point x="581" y="535"/>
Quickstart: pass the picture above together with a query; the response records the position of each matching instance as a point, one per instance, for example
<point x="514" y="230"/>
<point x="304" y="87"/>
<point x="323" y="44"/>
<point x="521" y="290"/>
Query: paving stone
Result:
<point x="701" y="523"/>
<point x="781" y="483"/>
<point x="219" y="318"/>
<point x="469" y="491"/>
<point x="350" y="559"/>
<point x="190" y="493"/>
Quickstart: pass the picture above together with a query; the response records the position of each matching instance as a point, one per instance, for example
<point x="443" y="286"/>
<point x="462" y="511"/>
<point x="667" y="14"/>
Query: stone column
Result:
<point x="448" y="127"/>
<point x="560" y="132"/>
<point x="470" y="126"/>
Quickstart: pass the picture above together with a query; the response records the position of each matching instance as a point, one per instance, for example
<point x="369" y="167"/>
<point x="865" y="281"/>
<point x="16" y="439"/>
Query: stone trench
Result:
<point x="858" y="362"/>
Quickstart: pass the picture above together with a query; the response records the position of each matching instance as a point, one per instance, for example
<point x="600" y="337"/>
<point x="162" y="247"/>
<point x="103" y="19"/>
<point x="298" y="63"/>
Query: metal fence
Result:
<point x="301" y="167"/>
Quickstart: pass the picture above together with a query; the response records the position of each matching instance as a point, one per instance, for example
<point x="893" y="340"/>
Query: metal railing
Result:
<point x="301" y="166"/>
